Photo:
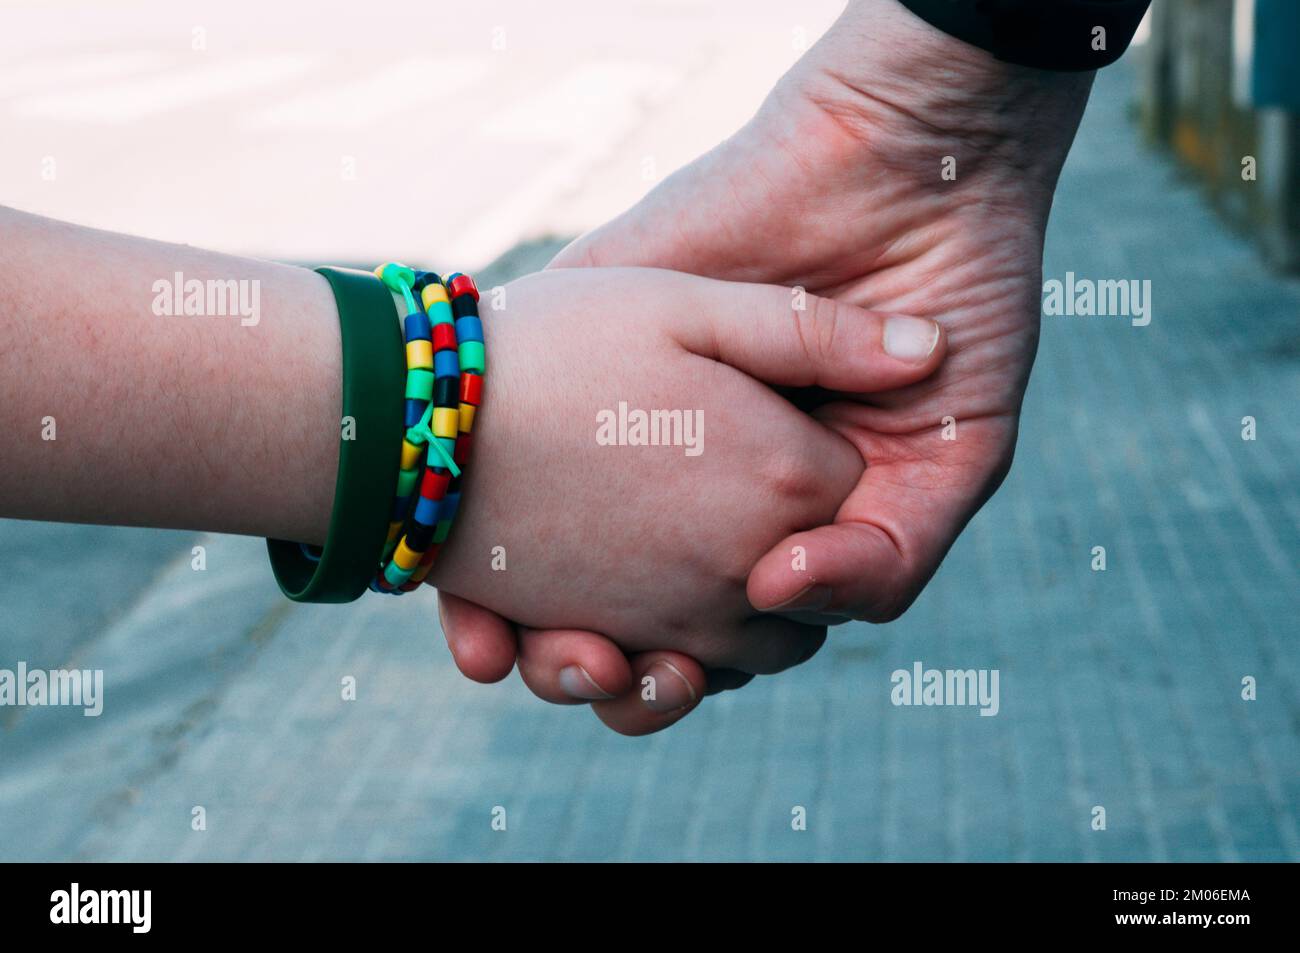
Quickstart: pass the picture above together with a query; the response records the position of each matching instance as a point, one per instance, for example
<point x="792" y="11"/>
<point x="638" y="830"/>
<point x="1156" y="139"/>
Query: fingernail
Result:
<point x="578" y="684"/>
<point x="811" y="597"/>
<point x="671" y="689"/>
<point x="910" y="339"/>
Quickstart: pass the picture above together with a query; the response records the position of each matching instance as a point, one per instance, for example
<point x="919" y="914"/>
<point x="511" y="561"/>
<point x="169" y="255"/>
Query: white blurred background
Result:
<point x="438" y="132"/>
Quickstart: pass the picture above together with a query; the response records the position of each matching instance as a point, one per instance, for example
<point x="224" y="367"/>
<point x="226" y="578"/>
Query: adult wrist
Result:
<point x="905" y="87"/>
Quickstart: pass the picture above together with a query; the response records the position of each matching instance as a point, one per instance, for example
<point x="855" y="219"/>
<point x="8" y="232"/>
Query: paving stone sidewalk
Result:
<point x="1119" y="689"/>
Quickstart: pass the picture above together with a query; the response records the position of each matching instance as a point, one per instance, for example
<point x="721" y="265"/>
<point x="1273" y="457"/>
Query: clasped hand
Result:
<point x="893" y="168"/>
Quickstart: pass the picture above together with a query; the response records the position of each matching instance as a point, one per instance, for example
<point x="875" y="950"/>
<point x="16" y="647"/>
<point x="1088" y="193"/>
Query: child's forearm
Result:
<point x="114" y="413"/>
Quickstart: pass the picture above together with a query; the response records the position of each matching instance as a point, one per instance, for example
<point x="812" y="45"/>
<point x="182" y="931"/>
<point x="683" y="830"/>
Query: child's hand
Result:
<point x="652" y="544"/>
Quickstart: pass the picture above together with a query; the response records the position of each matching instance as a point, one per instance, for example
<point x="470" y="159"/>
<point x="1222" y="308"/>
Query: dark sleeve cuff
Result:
<point x="1062" y="35"/>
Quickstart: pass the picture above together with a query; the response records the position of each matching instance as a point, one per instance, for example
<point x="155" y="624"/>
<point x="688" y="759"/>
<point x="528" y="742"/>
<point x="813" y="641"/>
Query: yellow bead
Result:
<point x="410" y="455"/>
<point x="394" y="530"/>
<point x="467" y="417"/>
<point x="419" y="354"/>
<point x="446" y="421"/>
<point x="405" y="557"/>
<point x="433" y="294"/>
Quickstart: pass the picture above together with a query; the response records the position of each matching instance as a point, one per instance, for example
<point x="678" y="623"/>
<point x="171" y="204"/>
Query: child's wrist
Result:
<point x="409" y="405"/>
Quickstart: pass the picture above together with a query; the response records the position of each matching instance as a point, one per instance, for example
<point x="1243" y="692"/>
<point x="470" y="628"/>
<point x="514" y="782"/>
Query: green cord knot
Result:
<point x="421" y="434"/>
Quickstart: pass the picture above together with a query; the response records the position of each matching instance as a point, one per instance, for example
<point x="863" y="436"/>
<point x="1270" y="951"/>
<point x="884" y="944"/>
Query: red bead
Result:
<point x="463" y="444"/>
<point x="430" y="555"/>
<point x="461" y="285"/>
<point x="471" y="388"/>
<point x="434" y="485"/>
<point x="444" y="337"/>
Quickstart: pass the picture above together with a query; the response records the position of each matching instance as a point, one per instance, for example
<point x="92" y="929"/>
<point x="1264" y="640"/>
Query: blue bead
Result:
<point x="450" y="504"/>
<point x="426" y="511"/>
<point x="469" y="328"/>
<point x="417" y="327"/>
<point x="415" y="411"/>
<point x="446" y="364"/>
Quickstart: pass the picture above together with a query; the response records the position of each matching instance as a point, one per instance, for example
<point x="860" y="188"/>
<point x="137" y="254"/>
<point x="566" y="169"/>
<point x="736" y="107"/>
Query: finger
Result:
<point x="726" y="679"/>
<point x="571" y="666"/>
<point x="624" y="240"/>
<point x="769" y="644"/>
<point x="481" y="642"/>
<point x="650" y="233"/>
<point x="786" y="337"/>
<point x="589" y="251"/>
<point x="894" y="529"/>
<point x="666" y="686"/>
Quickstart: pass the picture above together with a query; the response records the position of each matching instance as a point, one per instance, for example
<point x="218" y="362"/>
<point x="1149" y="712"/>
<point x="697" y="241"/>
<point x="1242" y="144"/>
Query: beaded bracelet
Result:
<point x="446" y="338"/>
<point x="471" y="359"/>
<point x="419" y="392"/>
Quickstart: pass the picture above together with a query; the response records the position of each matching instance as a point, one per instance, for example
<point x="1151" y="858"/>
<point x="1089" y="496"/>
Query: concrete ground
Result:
<point x="1119" y="689"/>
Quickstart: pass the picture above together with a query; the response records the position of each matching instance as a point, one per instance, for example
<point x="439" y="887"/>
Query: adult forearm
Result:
<point x="118" y="410"/>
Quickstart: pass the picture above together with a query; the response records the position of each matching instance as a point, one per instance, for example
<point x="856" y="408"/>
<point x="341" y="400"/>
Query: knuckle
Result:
<point x="825" y="316"/>
<point x="790" y="475"/>
<point x="734" y="567"/>
<point x="815" y="327"/>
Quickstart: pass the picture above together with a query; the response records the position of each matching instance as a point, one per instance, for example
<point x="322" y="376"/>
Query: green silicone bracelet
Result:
<point x="374" y="376"/>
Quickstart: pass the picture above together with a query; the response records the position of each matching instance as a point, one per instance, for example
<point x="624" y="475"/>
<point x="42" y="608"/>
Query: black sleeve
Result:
<point x="1047" y="34"/>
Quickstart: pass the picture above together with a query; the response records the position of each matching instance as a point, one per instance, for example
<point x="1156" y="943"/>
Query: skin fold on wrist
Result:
<point x="892" y="72"/>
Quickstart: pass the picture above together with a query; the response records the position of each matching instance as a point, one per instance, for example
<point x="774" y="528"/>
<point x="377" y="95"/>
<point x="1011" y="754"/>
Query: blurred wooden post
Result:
<point x="1217" y="85"/>
<point x="1155" y="93"/>
<point x="1276" y="93"/>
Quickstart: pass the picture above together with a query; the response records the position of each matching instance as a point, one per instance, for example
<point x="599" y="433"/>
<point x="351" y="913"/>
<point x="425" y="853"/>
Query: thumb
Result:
<point x="787" y="337"/>
<point x="892" y="532"/>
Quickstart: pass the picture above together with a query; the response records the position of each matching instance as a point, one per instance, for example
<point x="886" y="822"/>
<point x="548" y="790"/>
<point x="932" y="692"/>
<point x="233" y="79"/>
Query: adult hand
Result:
<point x="652" y="544"/>
<point x="896" y="168"/>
